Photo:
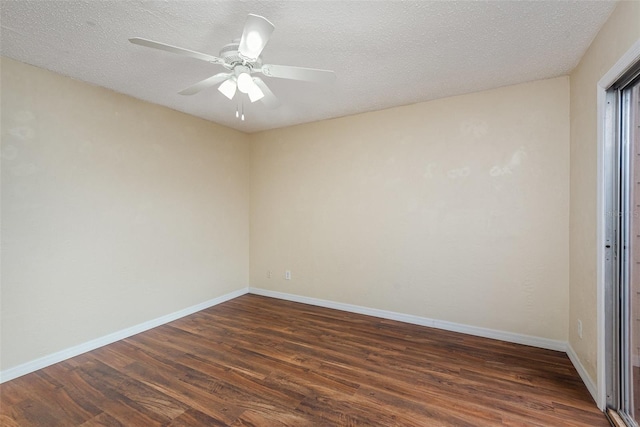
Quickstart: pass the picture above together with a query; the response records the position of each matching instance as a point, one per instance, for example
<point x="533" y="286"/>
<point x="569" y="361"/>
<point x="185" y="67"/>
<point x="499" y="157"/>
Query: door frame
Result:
<point x="606" y="134"/>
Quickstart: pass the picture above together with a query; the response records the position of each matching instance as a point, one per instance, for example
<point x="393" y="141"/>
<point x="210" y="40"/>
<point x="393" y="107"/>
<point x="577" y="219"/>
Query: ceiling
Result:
<point x="384" y="53"/>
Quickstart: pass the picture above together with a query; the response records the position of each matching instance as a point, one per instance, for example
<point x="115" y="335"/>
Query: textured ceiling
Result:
<point x="384" y="53"/>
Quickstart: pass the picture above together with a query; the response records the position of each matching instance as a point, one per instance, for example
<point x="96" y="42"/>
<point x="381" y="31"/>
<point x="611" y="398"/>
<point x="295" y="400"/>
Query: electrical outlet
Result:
<point x="287" y="275"/>
<point x="268" y="274"/>
<point x="580" y="328"/>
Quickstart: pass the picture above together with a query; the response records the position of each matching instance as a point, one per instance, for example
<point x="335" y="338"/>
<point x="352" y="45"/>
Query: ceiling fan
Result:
<point x="242" y="58"/>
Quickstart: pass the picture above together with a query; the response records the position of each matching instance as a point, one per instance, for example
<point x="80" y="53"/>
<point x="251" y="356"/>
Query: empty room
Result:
<point x="317" y="213"/>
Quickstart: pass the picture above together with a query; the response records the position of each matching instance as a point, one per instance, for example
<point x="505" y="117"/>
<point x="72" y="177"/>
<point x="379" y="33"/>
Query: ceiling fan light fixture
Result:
<point x="228" y="88"/>
<point x="254" y="42"/>
<point x="245" y="82"/>
<point x="255" y="93"/>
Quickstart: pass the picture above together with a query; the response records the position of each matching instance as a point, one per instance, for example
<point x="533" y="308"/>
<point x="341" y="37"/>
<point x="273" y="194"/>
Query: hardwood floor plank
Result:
<point x="23" y="388"/>
<point x="156" y="404"/>
<point x="193" y="418"/>
<point x="102" y="420"/>
<point x="258" y="361"/>
<point x="235" y="382"/>
<point x="433" y="408"/>
<point x="37" y="412"/>
<point x="252" y="418"/>
<point x="81" y="386"/>
<point x="7" y="421"/>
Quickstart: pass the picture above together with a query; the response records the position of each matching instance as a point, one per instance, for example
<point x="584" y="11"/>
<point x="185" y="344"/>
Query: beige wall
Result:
<point x="614" y="39"/>
<point x="114" y="212"/>
<point x="455" y="209"/>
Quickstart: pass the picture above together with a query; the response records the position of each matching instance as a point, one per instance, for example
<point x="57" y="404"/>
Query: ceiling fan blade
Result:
<point x="211" y="81"/>
<point x="269" y="98"/>
<point x="255" y="36"/>
<point x="298" y="73"/>
<point x="178" y="50"/>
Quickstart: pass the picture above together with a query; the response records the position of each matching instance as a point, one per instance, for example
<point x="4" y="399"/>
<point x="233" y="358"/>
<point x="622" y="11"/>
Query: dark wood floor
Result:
<point x="257" y="361"/>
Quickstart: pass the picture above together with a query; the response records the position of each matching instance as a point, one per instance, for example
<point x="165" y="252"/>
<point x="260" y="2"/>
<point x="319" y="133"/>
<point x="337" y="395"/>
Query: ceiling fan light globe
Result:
<point x="245" y="82"/>
<point x="254" y="41"/>
<point x="255" y="93"/>
<point x="228" y="88"/>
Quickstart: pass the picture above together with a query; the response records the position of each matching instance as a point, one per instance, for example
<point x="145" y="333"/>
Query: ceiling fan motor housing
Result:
<point x="232" y="57"/>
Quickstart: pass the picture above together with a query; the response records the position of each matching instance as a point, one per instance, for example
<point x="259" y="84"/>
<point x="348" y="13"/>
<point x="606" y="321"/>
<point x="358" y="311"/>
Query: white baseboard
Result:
<point x="68" y="353"/>
<point x="586" y="379"/>
<point x="418" y="320"/>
